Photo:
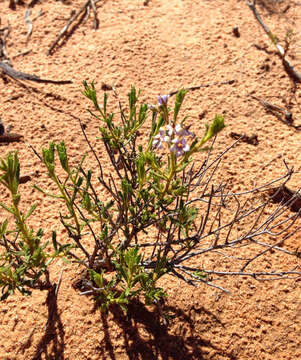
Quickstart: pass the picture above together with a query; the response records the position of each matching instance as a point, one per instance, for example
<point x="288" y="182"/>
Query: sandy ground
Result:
<point x="158" y="46"/>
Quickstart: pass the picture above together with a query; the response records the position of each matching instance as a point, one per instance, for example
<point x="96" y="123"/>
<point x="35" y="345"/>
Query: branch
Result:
<point x="291" y="71"/>
<point x="73" y="17"/>
<point x="255" y="275"/>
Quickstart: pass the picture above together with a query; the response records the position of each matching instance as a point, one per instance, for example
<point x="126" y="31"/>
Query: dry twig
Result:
<point x="6" y="136"/>
<point x="10" y="137"/>
<point x="29" y="22"/>
<point x="24" y="76"/>
<point x="252" y="140"/>
<point x="292" y="72"/>
<point x="277" y="111"/>
<point x="73" y="17"/>
<point x="215" y="232"/>
<point x="3" y="52"/>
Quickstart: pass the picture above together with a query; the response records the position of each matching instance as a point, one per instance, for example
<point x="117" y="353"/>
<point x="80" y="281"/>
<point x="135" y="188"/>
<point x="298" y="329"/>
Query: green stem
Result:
<point x="26" y="235"/>
<point x="171" y="173"/>
<point x="70" y="207"/>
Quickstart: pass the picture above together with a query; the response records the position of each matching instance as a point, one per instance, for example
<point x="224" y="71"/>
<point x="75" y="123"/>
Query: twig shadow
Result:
<point x="52" y="343"/>
<point x="146" y="337"/>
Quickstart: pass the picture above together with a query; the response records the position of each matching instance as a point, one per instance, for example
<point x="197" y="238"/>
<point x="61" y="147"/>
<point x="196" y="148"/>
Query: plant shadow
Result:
<point x="147" y="337"/>
<point x="51" y="345"/>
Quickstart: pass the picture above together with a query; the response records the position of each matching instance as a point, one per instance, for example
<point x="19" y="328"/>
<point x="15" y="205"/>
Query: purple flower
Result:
<point x="159" y="139"/>
<point x="162" y="99"/>
<point x="180" y="146"/>
<point x="178" y="131"/>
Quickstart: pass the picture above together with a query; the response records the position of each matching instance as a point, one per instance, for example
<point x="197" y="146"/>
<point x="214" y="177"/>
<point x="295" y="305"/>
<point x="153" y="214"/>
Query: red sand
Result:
<point x="158" y="47"/>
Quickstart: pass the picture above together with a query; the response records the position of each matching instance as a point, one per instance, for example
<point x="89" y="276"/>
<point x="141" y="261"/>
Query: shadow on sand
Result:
<point x="51" y="345"/>
<point x="146" y="337"/>
<point x="143" y="332"/>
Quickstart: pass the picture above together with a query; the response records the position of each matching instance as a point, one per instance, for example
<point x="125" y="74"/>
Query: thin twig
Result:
<point x="3" y="52"/>
<point x="29" y="22"/>
<point x="255" y="275"/>
<point x="95" y="20"/>
<point x="196" y="278"/>
<point x="274" y="247"/>
<point x="248" y="262"/>
<point x="292" y="72"/>
<point x="24" y="76"/>
<point x="275" y="110"/>
<point x="73" y="17"/>
<point x="59" y="283"/>
<point x="26" y="52"/>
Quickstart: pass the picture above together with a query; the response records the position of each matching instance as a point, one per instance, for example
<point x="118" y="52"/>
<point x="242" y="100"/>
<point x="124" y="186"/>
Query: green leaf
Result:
<point x="3" y="228"/>
<point x="54" y="242"/>
<point x="90" y="93"/>
<point x="133" y="97"/>
<point x="105" y="101"/>
<point x="86" y="202"/>
<point x="127" y="292"/>
<point x="200" y="274"/>
<point x="31" y="210"/>
<point x="79" y="167"/>
<point x="48" y="194"/>
<point x="179" y="100"/>
<point x="142" y="114"/>
<point x="77" y="188"/>
<point x="62" y="152"/>
<point x="48" y="158"/>
<point x="97" y="278"/>
<point x="11" y="168"/>
<point x="7" y="208"/>
<point x="141" y="168"/>
<point x="217" y="125"/>
<point x="161" y="176"/>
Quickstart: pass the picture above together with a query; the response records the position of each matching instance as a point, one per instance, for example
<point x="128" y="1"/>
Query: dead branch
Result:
<point x="73" y="17"/>
<point x="260" y="275"/>
<point x="252" y="140"/>
<point x="11" y="137"/>
<point x="3" y="52"/>
<point x="291" y="71"/>
<point x="215" y="234"/>
<point x="29" y="22"/>
<point x="7" y="69"/>
<point x="95" y="20"/>
<point x="23" y="53"/>
<point x="6" y="136"/>
<point x="278" y="112"/>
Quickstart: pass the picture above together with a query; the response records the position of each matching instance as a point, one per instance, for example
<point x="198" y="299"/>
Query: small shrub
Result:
<point x="151" y="190"/>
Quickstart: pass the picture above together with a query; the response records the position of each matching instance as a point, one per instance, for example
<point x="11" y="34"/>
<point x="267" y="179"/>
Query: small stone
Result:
<point x="236" y="31"/>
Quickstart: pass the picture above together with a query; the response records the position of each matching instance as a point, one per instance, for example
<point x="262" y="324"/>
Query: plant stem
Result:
<point x="22" y="226"/>
<point x="68" y="202"/>
<point x="171" y="173"/>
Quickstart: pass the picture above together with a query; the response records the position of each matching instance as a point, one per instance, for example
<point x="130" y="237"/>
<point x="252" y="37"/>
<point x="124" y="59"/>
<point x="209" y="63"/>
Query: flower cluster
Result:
<point x="174" y="136"/>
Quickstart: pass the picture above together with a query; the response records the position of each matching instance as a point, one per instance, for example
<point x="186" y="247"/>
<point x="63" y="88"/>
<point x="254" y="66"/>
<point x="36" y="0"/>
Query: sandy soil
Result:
<point x="158" y="47"/>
